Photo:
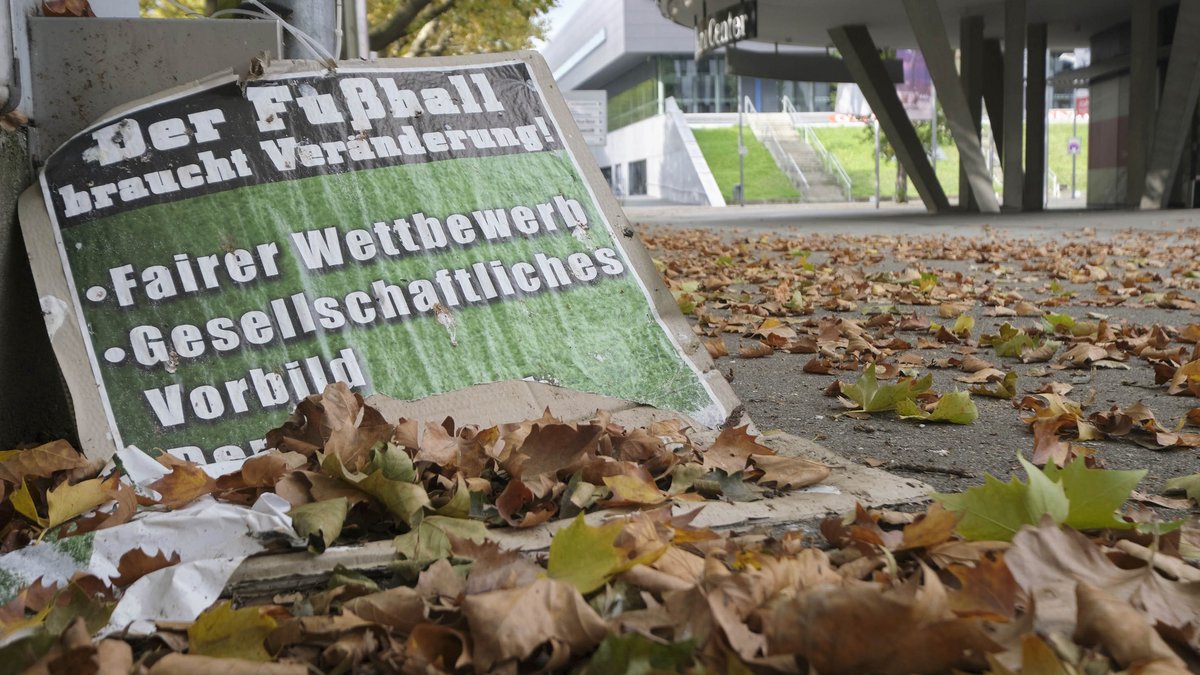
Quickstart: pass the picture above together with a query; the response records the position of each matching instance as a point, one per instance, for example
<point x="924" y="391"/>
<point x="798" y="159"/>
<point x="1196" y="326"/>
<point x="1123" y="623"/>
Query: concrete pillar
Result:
<point x="1180" y="90"/>
<point x="1143" y="95"/>
<point x="1014" y="102"/>
<point x="970" y="44"/>
<point x="930" y="31"/>
<point x="866" y="67"/>
<point x="993" y="90"/>
<point x="1034" y="197"/>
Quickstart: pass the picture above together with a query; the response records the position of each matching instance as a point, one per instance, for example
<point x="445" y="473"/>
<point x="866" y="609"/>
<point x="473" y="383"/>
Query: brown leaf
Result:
<point x="716" y="348"/>
<point x="440" y="581"/>
<point x="1047" y="445"/>
<point x="41" y="462"/>
<point x="189" y="664"/>
<point x="935" y="526"/>
<point x="136" y="563"/>
<point x="1047" y="562"/>
<point x="510" y="625"/>
<point x="67" y="8"/>
<point x="185" y="483"/>
<point x="986" y="590"/>
<point x="401" y="608"/>
<point x="516" y="499"/>
<point x="861" y="530"/>
<point x="732" y="449"/>
<point x="351" y="427"/>
<point x="1057" y="388"/>
<point x="1186" y="379"/>
<point x="265" y="469"/>
<point x="982" y="376"/>
<point x="125" y="508"/>
<point x="432" y="648"/>
<point x="1124" y="632"/>
<point x="494" y="568"/>
<point x="826" y="627"/>
<point x="818" y="366"/>
<point x="974" y="364"/>
<point x="756" y="350"/>
<point x="551" y="450"/>
<point x="789" y="473"/>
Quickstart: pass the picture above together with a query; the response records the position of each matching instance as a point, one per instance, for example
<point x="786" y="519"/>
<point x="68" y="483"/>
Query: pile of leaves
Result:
<point x="344" y="469"/>
<point x="988" y="582"/>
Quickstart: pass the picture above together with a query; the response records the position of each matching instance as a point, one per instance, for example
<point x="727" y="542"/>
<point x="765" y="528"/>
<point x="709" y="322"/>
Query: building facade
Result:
<point x="642" y="61"/>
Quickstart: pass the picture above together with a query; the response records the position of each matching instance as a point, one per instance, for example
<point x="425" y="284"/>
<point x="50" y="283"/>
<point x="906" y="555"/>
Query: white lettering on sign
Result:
<point x="723" y="31"/>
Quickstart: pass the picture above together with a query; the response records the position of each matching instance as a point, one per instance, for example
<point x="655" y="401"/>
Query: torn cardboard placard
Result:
<point x="409" y="227"/>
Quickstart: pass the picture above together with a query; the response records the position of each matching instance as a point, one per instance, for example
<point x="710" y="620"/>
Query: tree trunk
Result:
<point x="901" y="194"/>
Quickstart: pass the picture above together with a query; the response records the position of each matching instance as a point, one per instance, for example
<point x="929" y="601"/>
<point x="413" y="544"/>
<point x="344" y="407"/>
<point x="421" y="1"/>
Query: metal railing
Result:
<point x="828" y="161"/>
<point x="764" y="133"/>
<point x="1055" y="188"/>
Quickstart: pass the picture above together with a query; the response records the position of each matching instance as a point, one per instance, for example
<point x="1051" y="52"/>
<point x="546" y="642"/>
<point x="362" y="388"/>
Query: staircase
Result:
<point x="815" y="173"/>
<point x="820" y="186"/>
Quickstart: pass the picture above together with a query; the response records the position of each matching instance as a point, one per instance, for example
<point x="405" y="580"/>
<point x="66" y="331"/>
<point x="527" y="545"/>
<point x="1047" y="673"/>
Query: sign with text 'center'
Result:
<point x="409" y="231"/>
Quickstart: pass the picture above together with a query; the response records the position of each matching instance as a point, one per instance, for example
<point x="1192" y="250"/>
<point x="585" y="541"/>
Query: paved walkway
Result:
<point x="862" y="218"/>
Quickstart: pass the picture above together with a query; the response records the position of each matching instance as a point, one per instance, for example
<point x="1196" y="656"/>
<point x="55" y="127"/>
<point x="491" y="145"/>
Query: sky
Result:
<point x="558" y="16"/>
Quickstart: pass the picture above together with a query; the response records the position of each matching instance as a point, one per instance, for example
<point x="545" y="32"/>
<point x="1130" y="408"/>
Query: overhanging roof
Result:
<point x="1070" y="23"/>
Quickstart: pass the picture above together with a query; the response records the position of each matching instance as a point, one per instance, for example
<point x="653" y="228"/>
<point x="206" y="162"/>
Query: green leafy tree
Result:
<point x="436" y="27"/>
<point x="925" y="133"/>
<point x="420" y="27"/>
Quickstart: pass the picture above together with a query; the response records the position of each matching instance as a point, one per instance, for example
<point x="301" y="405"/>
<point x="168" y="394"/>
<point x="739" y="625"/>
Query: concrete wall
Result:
<point x="1108" y="146"/>
<point x="675" y="168"/>
<point x="33" y="405"/>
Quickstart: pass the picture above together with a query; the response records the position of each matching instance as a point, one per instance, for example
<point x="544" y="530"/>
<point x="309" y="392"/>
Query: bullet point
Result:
<point x="114" y="355"/>
<point x="97" y="293"/>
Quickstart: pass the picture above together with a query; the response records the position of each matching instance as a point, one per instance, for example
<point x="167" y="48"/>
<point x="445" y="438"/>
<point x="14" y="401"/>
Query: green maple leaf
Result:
<point x="995" y="511"/>
<point x="1053" y="321"/>
<point x="1075" y="495"/>
<point x="1189" y="485"/>
<point x="1095" y="495"/>
<point x="320" y="523"/>
<point x="955" y="408"/>
<point x="430" y="539"/>
<point x="871" y="397"/>
<point x="585" y="556"/>
<point x="635" y="654"/>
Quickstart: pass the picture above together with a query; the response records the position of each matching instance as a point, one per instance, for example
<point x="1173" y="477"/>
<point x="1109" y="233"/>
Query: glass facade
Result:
<point x="704" y="87"/>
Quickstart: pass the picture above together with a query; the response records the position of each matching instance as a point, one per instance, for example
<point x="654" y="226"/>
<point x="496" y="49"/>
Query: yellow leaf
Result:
<point x="634" y="490"/>
<point x="67" y="501"/>
<point x="585" y="556"/>
<point x="224" y="632"/>
<point x="963" y="325"/>
<point x="22" y="501"/>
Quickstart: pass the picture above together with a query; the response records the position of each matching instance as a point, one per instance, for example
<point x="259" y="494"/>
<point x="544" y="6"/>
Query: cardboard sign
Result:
<point x="411" y="229"/>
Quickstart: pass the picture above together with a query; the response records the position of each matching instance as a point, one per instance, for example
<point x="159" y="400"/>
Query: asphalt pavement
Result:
<point x="778" y="394"/>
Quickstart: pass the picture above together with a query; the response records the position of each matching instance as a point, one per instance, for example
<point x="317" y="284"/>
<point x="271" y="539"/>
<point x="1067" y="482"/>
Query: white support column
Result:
<point x="926" y="21"/>
<point x="1014" y="102"/>
<point x="1143" y="94"/>
<point x="1034" y="198"/>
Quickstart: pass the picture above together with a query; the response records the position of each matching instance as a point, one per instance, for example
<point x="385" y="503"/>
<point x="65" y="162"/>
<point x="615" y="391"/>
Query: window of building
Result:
<point x="702" y="87"/>
<point x="637" y="177"/>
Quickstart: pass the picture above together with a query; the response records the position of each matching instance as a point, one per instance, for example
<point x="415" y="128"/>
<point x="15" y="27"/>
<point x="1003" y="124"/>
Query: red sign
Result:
<point x="1082" y="103"/>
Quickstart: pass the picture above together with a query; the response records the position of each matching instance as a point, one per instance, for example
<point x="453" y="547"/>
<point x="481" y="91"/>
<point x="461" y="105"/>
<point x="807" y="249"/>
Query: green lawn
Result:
<point x="764" y="181"/>
<point x="1060" y="159"/>
<point x="854" y="148"/>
